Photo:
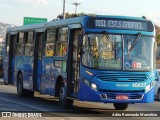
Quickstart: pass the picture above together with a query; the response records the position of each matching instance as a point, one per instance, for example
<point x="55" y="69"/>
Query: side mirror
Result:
<point x="156" y="79"/>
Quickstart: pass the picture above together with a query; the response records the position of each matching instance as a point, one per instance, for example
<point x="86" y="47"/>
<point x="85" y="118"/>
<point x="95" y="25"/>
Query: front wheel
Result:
<point x="120" y="106"/>
<point x="158" y="95"/>
<point x="29" y="93"/>
<point x="63" y="101"/>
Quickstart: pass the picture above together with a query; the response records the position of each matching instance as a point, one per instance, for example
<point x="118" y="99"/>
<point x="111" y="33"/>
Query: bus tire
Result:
<point x="29" y="93"/>
<point x="5" y="83"/>
<point x="158" y="94"/>
<point x="120" y="106"/>
<point x="20" y="90"/>
<point x="63" y="101"/>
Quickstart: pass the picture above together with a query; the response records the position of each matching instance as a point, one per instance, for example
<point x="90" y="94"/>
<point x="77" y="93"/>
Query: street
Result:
<point x="48" y="107"/>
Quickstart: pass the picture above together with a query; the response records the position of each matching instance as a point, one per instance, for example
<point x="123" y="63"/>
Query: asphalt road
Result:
<point x="48" y="107"/>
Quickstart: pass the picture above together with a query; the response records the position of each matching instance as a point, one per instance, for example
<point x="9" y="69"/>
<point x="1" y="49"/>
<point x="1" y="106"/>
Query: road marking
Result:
<point x="14" y="102"/>
<point x="41" y="110"/>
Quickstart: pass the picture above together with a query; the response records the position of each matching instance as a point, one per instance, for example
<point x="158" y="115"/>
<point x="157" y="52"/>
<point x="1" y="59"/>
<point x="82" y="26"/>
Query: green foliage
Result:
<point x="68" y="15"/>
<point x="158" y="35"/>
<point x="158" y="39"/>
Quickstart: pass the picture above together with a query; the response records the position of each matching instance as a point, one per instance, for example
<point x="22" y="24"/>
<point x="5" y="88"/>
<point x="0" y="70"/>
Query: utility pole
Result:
<point x="76" y="5"/>
<point x="63" y="9"/>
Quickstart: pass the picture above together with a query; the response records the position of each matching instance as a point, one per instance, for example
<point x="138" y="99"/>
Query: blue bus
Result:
<point x="109" y="59"/>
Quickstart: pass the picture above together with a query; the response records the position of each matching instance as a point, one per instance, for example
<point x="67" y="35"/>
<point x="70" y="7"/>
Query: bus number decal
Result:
<point x="100" y="23"/>
<point x="139" y="85"/>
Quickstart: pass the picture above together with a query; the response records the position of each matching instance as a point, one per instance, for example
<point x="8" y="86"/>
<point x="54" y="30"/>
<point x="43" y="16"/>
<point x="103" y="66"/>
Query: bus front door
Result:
<point x="37" y="67"/>
<point x="73" y="63"/>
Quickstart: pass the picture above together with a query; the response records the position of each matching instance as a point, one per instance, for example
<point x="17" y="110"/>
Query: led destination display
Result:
<point x="120" y="24"/>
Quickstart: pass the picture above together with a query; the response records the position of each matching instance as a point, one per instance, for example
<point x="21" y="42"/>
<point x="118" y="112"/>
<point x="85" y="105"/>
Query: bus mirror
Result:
<point x="80" y="40"/>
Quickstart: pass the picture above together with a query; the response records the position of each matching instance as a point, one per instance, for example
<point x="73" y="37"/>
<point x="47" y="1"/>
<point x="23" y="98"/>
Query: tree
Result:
<point x="158" y="35"/>
<point x="68" y="15"/>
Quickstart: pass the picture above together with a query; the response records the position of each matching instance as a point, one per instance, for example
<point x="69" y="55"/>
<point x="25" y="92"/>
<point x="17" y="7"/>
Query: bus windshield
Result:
<point x="118" y="52"/>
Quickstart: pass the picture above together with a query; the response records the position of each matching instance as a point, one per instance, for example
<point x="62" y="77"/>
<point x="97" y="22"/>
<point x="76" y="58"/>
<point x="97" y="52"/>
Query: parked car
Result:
<point x="157" y="84"/>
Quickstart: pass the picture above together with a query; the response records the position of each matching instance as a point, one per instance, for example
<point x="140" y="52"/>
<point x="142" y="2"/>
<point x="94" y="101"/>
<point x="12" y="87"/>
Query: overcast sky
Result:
<point x="13" y="11"/>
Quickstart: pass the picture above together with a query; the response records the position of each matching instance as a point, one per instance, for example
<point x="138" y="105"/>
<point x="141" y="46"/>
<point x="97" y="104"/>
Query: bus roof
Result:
<point x="62" y="22"/>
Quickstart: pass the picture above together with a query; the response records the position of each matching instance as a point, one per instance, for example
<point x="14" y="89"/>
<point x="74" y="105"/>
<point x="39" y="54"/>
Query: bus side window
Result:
<point x="50" y="42"/>
<point x="29" y="44"/>
<point x="20" y="44"/>
<point x="61" y="44"/>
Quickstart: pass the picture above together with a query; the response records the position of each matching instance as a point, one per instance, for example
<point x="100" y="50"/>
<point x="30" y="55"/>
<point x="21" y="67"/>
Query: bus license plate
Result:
<point x="121" y="97"/>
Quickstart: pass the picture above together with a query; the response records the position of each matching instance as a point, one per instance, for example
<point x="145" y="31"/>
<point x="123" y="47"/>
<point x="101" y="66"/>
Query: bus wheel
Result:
<point x="63" y="101"/>
<point x="120" y="106"/>
<point x="29" y="93"/>
<point x="158" y="95"/>
<point x="5" y="83"/>
<point x="20" y="90"/>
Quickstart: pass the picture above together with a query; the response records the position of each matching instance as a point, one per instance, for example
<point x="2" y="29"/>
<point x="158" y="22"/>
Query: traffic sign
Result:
<point x="31" y="20"/>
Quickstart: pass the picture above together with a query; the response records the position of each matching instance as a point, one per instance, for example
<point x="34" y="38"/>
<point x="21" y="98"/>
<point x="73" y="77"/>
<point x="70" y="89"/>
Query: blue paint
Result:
<point x="48" y="72"/>
<point x="86" y="93"/>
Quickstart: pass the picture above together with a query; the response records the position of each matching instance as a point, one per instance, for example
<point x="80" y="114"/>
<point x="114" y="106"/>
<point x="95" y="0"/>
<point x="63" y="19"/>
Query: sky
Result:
<point x="13" y="11"/>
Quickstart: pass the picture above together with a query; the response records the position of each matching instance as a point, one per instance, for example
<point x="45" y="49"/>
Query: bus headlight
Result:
<point x="94" y="86"/>
<point x="150" y="86"/>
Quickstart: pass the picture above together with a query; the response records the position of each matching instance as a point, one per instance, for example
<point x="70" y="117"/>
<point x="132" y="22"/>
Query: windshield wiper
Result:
<point x="134" y="42"/>
<point x="89" y="44"/>
<point x="108" y="36"/>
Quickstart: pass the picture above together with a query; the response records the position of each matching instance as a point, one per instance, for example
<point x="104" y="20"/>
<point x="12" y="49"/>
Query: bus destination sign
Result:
<point x="120" y="24"/>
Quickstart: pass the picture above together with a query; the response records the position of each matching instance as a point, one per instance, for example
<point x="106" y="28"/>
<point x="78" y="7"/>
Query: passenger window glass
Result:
<point x="50" y="42"/>
<point x="61" y="44"/>
<point x="29" y="47"/>
<point x="49" y="49"/>
<point x="20" y="44"/>
<point x="21" y="37"/>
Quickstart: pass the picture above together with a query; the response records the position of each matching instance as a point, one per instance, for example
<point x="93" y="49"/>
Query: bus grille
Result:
<point x="131" y="96"/>
<point x="121" y="77"/>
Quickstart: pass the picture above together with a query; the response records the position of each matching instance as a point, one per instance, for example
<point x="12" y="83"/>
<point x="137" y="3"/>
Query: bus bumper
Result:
<point x="86" y="93"/>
